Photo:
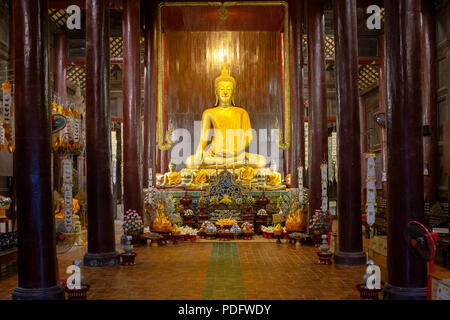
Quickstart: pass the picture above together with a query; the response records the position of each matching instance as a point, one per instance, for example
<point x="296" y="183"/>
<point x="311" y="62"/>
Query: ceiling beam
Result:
<point x="63" y="4"/>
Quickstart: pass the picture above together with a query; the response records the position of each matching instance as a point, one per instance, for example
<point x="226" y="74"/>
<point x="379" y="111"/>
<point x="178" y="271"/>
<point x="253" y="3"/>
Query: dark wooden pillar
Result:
<point x="59" y="66"/>
<point x="101" y="240"/>
<point x="60" y="88"/>
<point x="150" y="87"/>
<point x="363" y="143"/>
<point x="407" y="277"/>
<point x="297" y="107"/>
<point x="350" y="251"/>
<point x="382" y="110"/>
<point x="429" y="107"/>
<point x="32" y="167"/>
<point x="318" y="133"/>
<point x="132" y="185"/>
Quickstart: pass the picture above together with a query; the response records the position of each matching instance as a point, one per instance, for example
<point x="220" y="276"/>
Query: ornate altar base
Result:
<point x="220" y="211"/>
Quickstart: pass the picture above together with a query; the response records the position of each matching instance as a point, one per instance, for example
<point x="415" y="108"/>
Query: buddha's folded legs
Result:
<point x="253" y="160"/>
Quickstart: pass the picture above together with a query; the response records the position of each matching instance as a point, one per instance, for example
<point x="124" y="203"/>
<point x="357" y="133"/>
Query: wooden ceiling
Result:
<point x="206" y="18"/>
<point x="238" y="18"/>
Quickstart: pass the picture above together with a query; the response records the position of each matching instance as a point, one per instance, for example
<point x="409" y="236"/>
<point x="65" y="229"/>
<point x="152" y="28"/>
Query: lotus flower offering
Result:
<point x="294" y="222"/>
<point x="226" y="222"/>
<point x="278" y="230"/>
<point x="175" y="230"/>
<point x="161" y="224"/>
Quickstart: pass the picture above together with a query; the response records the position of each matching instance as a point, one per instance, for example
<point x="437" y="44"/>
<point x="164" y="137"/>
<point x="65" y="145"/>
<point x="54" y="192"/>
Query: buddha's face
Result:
<point x="225" y="90"/>
<point x="172" y="167"/>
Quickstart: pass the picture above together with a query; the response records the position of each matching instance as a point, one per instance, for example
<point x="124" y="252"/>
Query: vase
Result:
<point x="135" y="238"/>
<point x="128" y="246"/>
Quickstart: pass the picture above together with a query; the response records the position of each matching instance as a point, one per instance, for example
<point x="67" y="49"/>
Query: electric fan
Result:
<point x="423" y="245"/>
<point x="64" y="240"/>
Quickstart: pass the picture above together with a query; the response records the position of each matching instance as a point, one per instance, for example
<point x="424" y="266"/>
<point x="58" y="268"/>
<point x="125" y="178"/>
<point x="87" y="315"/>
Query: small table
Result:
<point x="152" y="237"/>
<point x="298" y="237"/>
<point x="165" y="237"/>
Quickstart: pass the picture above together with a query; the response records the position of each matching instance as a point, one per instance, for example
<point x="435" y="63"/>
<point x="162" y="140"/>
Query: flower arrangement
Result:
<point x="305" y="202"/>
<point x="214" y="200"/>
<point x="188" y="213"/>
<point x="132" y="222"/>
<point x="267" y="229"/>
<point x="188" y="230"/>
<point x="160" y="203"/>
<point x="202" y="201"/>
<point x="239" y="201"/>
<point x="320" y="221"/>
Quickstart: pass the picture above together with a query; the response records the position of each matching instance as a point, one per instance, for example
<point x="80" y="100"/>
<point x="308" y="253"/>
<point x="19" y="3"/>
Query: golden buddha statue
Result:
<point x="273" y="178"/>
<point x="201" y="177"/>
<point x="172" y="177"/>
<point x="232" y="132"/>
<point x="59" y="212"/>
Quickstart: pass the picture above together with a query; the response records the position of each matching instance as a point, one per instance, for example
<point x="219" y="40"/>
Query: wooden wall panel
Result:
<point x="194" y="61"/>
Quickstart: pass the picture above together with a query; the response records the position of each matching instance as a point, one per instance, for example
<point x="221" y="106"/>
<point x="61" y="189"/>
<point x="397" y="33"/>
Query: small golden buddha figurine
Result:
<point x="201" y="177"/>
<point x="172" y="177"/>
<point x="273" y="178"/>
<point x="232" y="132"/>
<point x="59" y="213"/>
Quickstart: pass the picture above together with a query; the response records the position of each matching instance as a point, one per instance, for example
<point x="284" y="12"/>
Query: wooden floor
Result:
<point x="254" y="270"/>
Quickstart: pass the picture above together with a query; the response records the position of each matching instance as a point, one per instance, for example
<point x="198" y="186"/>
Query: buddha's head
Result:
<point x="224" y="86"/>
<point x="172" y="167"/>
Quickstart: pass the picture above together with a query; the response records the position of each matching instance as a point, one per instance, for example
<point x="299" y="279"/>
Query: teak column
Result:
<point x="350" y="250"/>
<point x="429" y="107"/>
<point x="60" y="88"/>
<point x="32" y="162"/>
<point x="101" y="240"/>
<point x="407" y="273"/>
<point x="318" y="133"/>
<point x="382" y="110"/>
<point x="363" y="148"/>
<point x="132" y="185"/>
<point x="150" y="89"/>
<point x="297" y="107"/>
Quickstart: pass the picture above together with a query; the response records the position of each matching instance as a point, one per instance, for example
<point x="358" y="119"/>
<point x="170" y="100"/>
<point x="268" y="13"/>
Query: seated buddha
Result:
<point x="231" y="132"/>
<point x="273" y="178"/>
<point x="172" y="177"/>
<point x="59" y="212"/>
